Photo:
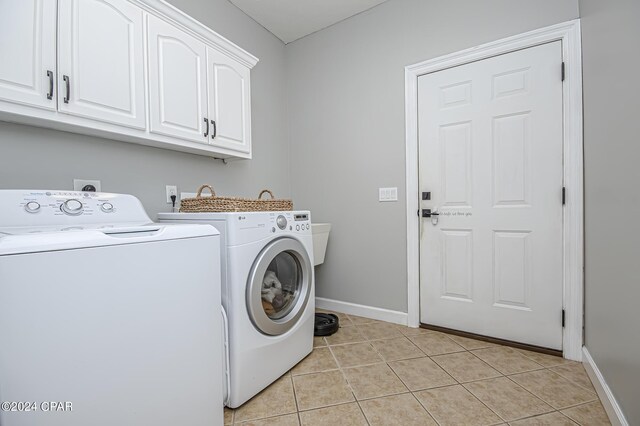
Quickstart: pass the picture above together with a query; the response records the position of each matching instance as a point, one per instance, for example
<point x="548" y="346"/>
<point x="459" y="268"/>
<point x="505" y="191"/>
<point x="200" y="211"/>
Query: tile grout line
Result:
<point x="527" y="390"/>
<point x="547" y="402"/>
<point x="344" y="376"/>
<point x="425" y="408"/>
<point x="239" y="422"/>
<point x="366" y="419"/>
<point x="386" y="363"/>
<point x="295" y="396"/>
<point x="570" y="419"/>
<point x="533" y="416"/>
<point x="573" y="382"/>
<point x="495" y="368"/>
<point x="478" y="399"/>
<point x="469" y="381"/>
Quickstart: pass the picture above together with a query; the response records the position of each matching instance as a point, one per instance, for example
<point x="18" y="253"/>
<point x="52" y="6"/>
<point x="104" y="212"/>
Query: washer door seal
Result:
<point x="282" y="321"/>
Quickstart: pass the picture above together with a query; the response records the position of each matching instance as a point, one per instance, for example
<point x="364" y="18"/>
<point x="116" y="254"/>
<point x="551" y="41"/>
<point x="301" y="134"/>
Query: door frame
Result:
<point x="573" y="217"/>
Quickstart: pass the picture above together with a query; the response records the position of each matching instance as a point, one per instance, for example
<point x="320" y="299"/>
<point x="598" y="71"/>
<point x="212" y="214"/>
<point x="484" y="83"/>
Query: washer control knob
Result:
<point x="281" y="221"/>
<point x="307" y="226"/>
<point x="107" y="207"/>
<point x="32" y="207"/>
<point x="297" y="227"/>
<point x="72" y="207"/>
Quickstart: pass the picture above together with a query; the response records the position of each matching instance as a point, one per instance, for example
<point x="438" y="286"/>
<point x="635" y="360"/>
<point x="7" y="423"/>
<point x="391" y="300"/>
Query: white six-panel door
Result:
<point x="28" y="52"/>
<point x="177" y="83"/>
<point x="490" y="143"/>
<point x="228" y="90"/>
<point x="101" y="61"/>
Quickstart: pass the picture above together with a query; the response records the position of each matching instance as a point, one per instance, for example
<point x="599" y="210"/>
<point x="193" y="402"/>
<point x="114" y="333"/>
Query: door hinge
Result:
<point x="563" y="318"/>
<point x="563" y="71"/>
<point x="564" y="195"/>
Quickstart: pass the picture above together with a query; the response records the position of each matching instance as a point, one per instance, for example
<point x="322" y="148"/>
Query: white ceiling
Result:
<point x="290" y="20"/>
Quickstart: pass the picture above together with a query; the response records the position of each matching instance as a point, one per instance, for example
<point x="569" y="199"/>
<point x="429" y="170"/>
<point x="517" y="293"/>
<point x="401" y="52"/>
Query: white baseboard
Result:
<point x="616" y="416"/>
<point x="372" y="312"/>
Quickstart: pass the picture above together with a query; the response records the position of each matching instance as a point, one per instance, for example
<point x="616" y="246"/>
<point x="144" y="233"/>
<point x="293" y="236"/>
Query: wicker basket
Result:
<point x="232" y="204"/>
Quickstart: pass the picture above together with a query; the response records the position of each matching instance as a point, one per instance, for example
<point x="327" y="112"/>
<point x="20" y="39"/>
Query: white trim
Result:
<point x="569" y="34"/>
<point x="611" y="406"/>
<point x="372" y="312"/>
<point x="195" y="28"/>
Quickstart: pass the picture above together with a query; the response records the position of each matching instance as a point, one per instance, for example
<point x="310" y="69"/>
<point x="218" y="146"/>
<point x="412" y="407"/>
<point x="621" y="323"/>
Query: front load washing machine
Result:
<point x="267" y="292"/>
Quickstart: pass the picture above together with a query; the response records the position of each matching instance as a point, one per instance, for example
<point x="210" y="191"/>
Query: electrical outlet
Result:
<point x="78" y="184"/>
<point x="171" y="190"/>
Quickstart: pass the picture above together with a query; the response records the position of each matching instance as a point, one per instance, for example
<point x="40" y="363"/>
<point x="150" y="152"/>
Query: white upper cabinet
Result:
<point x="28" y="52"/>
<point x="177" y="72"/>
<point x="101" y="61"/>
<point x="139" y="71"/>
<point x="229" y="102"/>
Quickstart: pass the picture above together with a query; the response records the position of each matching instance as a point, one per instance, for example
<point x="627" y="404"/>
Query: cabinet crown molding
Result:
<point x="197" y="29"/>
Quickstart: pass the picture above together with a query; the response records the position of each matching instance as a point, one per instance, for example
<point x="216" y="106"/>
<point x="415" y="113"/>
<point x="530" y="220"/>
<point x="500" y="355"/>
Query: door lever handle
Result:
<point x="429" y="213"/>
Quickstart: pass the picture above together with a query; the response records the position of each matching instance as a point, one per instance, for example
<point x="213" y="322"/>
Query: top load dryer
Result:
<point x="267" y="292"/>
<point x="105" y="317"/>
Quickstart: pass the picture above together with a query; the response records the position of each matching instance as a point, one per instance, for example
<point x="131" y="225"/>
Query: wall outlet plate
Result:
<point x="171" y="190"/>
<point x="78" y="184"/>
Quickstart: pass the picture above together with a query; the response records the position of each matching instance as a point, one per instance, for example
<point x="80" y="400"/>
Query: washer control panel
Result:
<point x="43" y="208"/>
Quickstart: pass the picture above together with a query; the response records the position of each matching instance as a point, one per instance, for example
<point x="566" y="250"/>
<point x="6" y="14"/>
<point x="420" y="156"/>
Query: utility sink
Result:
<point x="320" y="235"/>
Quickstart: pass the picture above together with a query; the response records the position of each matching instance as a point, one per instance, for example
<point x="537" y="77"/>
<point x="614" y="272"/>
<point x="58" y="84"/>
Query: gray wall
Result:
<point x="610" y="37"/>
<point x="37" y="158"/>
<point x="346" y="126"/>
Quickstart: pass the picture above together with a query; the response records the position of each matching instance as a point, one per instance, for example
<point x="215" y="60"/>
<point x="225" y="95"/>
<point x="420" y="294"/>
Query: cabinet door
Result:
<point x="229" y="98"/>
<point x="177" y="67"/>
<point x="28" y="52"/>
<point x="101" y="61"/>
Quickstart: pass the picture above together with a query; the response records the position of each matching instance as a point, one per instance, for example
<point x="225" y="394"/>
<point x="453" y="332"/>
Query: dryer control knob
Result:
<point x="72" y="207"/>
<point x="281" y="221"/>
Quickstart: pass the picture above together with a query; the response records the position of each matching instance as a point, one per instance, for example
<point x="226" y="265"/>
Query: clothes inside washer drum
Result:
<point x="326" y="324"/>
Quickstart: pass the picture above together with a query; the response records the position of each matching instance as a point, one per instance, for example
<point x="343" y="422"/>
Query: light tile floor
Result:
<point x="376" y="373"/>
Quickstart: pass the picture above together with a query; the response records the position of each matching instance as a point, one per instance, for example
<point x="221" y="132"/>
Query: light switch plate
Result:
<point x="388" y="194"/>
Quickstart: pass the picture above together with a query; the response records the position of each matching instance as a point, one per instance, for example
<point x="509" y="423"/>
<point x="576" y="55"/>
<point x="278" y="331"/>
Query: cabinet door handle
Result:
<point x="66" y="83"/>
<point x="206" y="132"/>
<point x="50" y="75"/>
<point x="215" y="129"/>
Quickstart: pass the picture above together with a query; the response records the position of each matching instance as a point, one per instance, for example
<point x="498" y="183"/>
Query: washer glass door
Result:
<point x="279" y="286"/>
